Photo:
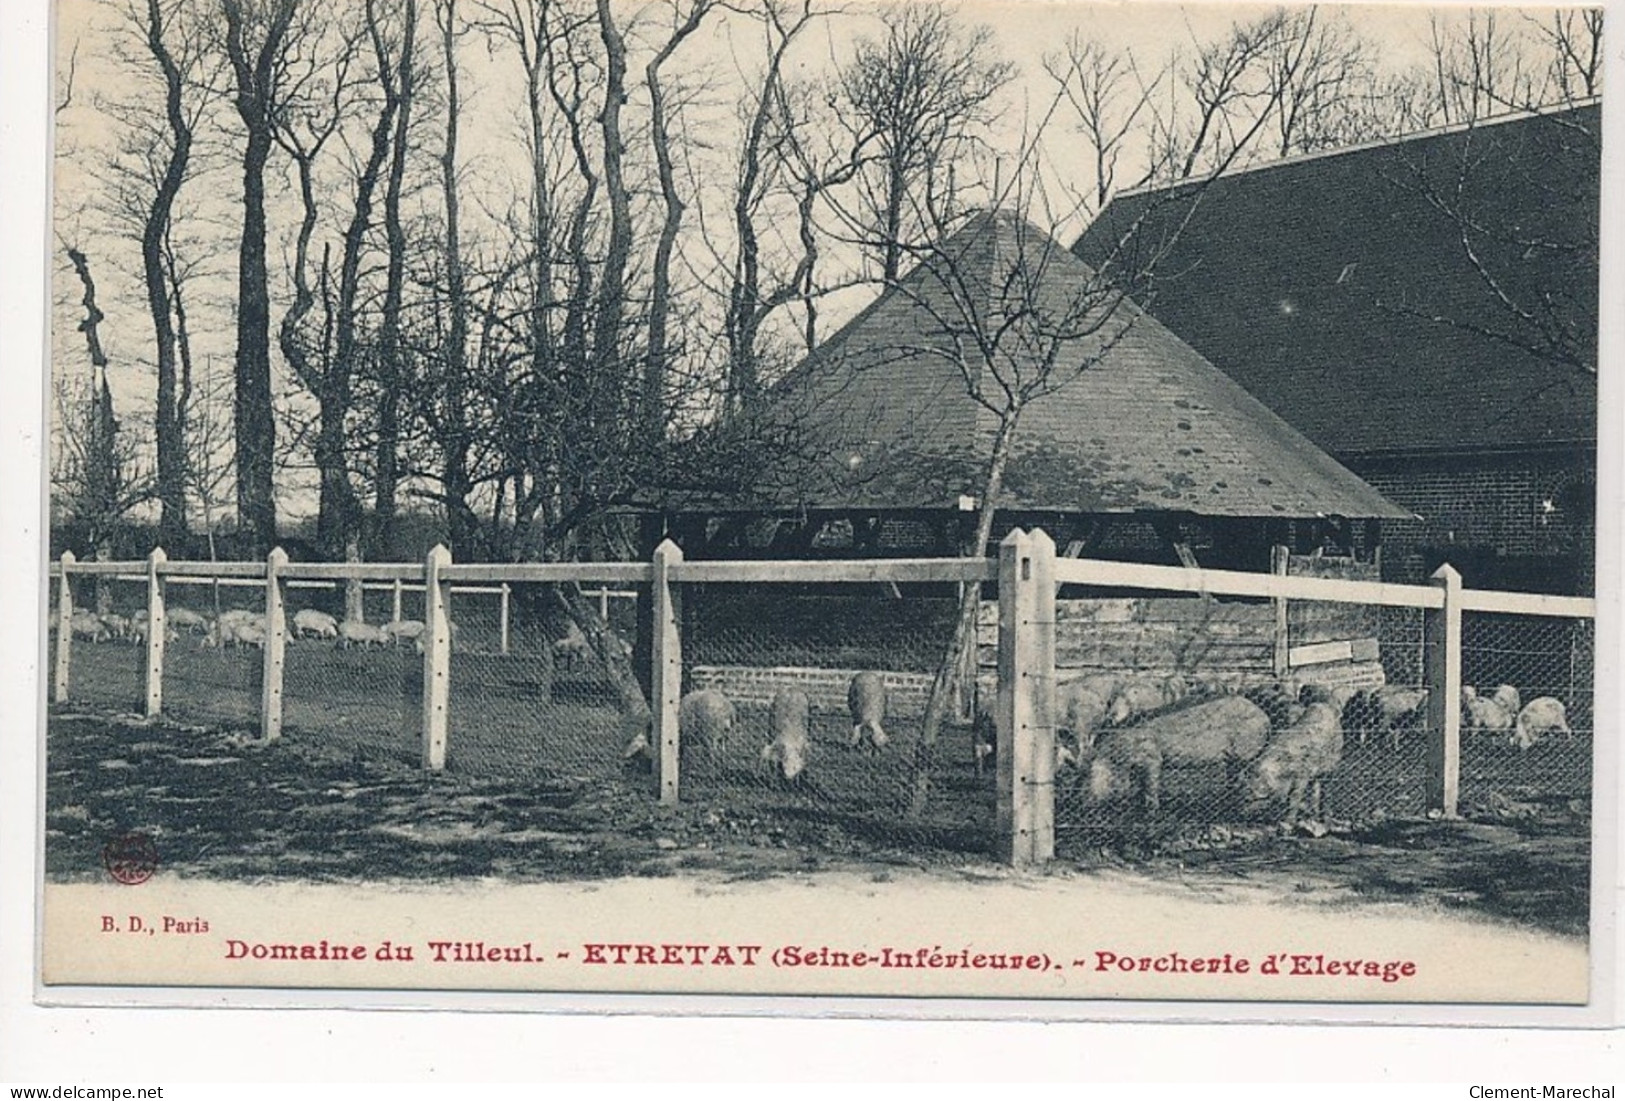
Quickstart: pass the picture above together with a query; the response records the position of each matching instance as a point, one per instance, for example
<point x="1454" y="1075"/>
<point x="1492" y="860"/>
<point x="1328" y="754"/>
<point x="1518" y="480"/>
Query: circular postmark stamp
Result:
<point x="130" y="858"/>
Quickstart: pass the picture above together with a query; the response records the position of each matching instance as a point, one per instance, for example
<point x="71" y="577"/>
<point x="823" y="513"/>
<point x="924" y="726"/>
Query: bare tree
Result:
<point x="176" y="48"/>
<point x="922" y="90"/>
<point x="1110" y="100"/>
<point x="398" y="81"/>
<point x="1574" y="37"/>
<point x="1316" y="69"/>
<point x="257" y="35"/>
<point x="97" y="472"/>
<point x="652" y="413"/>
<point x="761" y="157"/>
<point x="453" y="432"/>
<point x="1481" y="66"/>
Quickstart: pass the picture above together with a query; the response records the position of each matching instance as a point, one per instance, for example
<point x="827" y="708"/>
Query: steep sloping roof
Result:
<point x="1338" y="288"/>
<point x="1142" y="422"/>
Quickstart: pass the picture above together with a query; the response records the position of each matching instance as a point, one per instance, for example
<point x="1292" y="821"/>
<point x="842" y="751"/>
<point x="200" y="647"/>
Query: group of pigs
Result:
<point x="1275" y="742"/>
<point x="706" y="720"/>
<point x="241" y="627"/>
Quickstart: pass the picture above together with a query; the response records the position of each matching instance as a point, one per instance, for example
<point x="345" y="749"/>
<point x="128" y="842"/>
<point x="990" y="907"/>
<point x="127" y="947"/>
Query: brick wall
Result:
<point x="825" y="688"/>
<point x="1512" y="506"/>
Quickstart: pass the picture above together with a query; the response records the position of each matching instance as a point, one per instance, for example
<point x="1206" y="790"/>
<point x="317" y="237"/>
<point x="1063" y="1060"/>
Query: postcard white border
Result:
<point x="24" y="101"/>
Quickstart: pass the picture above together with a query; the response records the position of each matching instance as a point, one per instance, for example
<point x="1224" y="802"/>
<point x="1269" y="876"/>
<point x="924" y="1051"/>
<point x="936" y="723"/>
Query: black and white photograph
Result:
<point x="1087" y="504"/>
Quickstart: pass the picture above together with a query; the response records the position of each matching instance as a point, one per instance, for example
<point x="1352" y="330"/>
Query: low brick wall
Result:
<point x="826" y="688"/>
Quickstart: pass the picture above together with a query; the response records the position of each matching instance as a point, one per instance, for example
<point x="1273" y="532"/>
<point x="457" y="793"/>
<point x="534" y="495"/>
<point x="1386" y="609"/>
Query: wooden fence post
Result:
<point x="436" y="659"/>
<point x="1025" y="713"/>
<point x="64" y="628"/>
<point x="1279" y="558"/>
<point x="1441" y="640"/>
<point x="666" y="670"/>
<point x="507" y="593"/>
<point x="395" y="602"/>
<point x="156" y="627"/>
<point x="276" y="645"/>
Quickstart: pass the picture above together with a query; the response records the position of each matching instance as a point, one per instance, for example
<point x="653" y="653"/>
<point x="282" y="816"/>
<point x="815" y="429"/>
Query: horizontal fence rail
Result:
<point x="522" y="665"/>
<point x="1068" y="571"/>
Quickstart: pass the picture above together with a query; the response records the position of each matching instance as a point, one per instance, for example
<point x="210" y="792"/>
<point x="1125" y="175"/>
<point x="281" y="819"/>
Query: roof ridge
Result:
<point x="1517" y="115"/>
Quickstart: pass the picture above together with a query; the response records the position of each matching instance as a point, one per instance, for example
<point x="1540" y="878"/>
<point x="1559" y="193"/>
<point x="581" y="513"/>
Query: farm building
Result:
<point x="1424" y="310"/>
<point x="1131" y="446"/>
<point x="1130" y="443"/>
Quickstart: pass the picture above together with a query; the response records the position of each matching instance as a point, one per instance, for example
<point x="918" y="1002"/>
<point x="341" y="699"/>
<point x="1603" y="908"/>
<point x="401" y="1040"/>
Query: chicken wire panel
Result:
<point x="1382" y="767"/>
<point x="213" y="677"/>
<point x="1187" y="745"/>
<point x="107" y="663"/>
<point x="1527" y="710"/>
<point x="546" y="703"/>
<point x="852" y="776"/>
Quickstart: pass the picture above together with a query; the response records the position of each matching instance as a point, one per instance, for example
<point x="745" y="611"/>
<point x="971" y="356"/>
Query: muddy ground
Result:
<point x="221" y="805"/>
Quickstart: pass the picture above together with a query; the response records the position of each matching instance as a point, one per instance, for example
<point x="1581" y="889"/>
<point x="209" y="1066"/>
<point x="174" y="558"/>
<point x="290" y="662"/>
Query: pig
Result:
<point x="984" y="741"/>
<point x="572" y="648"/>
<point x="1079" y="711"/>
<point x="236" y="631"/>
<point x="353" y="632"/>
<point x="117" y="626"/>
<point x="250" y="633"/>
<point x="1229" y="729"/>
<point x="1278" y="700"/>
<point x="84" y="624"/>
<point x="1509" y="699"/>
<point x="1540" y="716"/>
<point x="224" y="631"/>
<point x="704" y="720"/>
<point x="1142" y="695"/>
<point x="1486" y="716"/>
<point x="397" y="631"/>
<point x="184" y="619"/>
<point x="1386" y="710"/>
<point x="866" y="699"/>
<point x="417" y="640"/>
<point x="1295" y="759"/>
<point x="788" y="719"/>
<point x="310" y="623"/>
<point x="1338" y="695"/>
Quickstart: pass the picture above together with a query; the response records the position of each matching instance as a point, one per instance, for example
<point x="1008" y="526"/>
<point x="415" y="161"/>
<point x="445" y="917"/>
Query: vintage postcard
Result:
<point x="1060" y="508"/>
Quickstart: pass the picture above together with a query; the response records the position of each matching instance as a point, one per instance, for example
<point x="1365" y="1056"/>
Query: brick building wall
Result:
<point x="1518" y="521"/>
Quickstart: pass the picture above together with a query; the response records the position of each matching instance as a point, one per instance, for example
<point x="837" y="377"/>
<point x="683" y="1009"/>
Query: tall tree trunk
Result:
<point x="652" y="426"/>
<point x="256" y="73"/>
<point x="169" y="429"/>
<point x="387" y="472"/>
<point x="256" y="428"/>
<point x="98" y="506"/>
<point x="896" y="188"/>
<point x="964" y="633"/>
<point x="607" y="367"/>
<point x="461" y="523"/>
<point x="338" y="511"/>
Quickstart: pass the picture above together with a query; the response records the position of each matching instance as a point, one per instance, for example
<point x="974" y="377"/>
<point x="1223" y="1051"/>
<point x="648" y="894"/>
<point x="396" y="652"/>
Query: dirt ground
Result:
<point x="223" y="806"/>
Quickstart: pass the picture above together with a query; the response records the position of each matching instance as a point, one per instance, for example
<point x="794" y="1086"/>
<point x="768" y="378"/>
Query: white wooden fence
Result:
<point x="1027" y="573"/>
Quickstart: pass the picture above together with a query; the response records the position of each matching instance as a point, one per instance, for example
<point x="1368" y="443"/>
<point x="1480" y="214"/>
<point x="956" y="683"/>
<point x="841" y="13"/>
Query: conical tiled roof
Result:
<point x="1131" y="419"/>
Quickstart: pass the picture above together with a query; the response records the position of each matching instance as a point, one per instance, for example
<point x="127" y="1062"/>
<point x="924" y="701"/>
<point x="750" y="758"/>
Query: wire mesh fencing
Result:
<point x="214" y="660"/>
<point x="532" y="694"/>
<point x="826" y="690"/>
<point x="105" y="639"/>
<point x="1176" y="714"/>
<point x="1527" y="712"/>
<point x="1201" y="705"/>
